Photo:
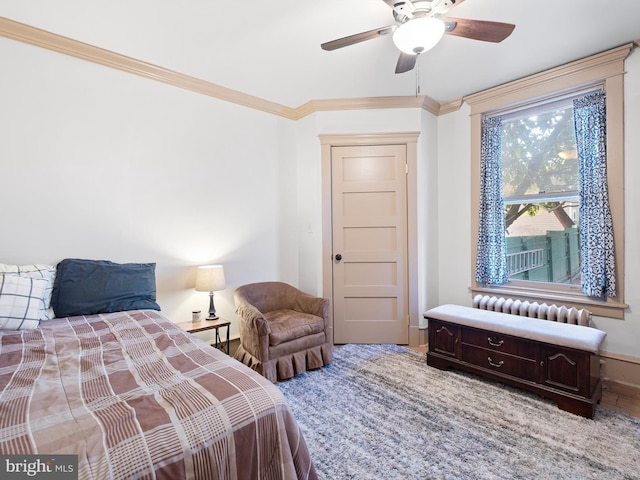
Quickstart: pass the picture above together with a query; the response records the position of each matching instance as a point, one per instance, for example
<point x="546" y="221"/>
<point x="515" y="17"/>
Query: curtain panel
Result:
<point x="596" y="225"/>
<point x="491" y="262"/>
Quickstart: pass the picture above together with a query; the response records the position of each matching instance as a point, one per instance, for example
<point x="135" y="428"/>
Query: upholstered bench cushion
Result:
<point x="287" y="325"/>
<point x="562" y="334"/>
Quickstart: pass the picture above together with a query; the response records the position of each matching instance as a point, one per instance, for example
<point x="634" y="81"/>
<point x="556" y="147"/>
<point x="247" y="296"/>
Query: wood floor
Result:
<point x="622" y="398"/>
<point x="615" y="396"/>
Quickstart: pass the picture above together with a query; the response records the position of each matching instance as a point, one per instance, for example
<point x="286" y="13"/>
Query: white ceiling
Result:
<point x="271" y="49"/>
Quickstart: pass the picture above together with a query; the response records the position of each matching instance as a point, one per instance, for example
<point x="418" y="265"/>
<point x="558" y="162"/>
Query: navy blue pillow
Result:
<point x="87" y="287"/>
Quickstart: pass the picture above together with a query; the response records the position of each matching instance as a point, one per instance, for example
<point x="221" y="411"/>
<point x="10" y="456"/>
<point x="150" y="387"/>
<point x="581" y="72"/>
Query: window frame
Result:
<point x="607" y="70"/>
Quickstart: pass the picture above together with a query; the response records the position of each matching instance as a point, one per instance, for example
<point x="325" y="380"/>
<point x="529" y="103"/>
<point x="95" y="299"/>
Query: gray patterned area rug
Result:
<point x="379" y="412"/>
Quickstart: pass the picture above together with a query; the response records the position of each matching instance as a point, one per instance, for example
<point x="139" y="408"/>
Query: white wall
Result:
<point x="429" y="264"/>
<point x="96" y="163"/>
<point x="454" y="207"/>
<point x="623" y="336"/>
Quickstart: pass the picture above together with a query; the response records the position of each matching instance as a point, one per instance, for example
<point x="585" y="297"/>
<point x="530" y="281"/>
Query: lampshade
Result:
<point x="418" y="35"/>
<point x="210" y="278"/>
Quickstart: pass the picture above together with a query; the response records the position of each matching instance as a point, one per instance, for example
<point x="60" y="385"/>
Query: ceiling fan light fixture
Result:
<point x="418" y="35"/>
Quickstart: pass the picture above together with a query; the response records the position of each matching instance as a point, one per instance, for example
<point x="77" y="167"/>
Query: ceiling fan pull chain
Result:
<point x="418" y="78"/>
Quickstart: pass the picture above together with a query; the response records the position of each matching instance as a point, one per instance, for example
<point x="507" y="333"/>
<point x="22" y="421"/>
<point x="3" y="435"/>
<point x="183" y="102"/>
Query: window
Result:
<point x="539" y="180"/>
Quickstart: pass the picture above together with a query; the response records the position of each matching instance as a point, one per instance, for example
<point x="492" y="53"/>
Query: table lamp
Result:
<point x="210" y="278"/>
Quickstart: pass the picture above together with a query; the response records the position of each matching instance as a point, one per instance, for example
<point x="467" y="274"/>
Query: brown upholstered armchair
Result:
<point x="283" y="331"/>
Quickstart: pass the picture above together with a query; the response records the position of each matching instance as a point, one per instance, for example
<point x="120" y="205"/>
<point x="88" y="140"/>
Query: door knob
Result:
<point x="338" y="257"/>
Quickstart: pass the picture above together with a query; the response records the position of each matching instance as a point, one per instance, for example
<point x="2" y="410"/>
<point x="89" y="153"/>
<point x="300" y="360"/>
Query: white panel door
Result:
<point x="369" y="215"/>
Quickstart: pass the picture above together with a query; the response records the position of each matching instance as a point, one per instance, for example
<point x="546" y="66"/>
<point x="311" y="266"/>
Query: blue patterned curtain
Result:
<point x="491" y="263"/>
<point x="596" y="226"/>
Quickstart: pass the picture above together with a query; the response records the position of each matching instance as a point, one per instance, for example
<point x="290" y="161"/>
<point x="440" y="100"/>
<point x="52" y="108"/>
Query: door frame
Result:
<point x="410" y="140"/>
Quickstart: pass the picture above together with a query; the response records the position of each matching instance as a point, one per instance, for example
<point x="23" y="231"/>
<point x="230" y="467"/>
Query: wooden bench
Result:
<point x="558" y="361"/>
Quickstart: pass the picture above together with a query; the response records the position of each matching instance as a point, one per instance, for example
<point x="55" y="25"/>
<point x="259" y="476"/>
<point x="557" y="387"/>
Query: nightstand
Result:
<point x="203" y="325"/>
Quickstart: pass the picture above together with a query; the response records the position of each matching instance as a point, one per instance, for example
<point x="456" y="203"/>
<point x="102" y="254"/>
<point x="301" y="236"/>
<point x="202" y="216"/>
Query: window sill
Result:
<point x="602" y="308"/>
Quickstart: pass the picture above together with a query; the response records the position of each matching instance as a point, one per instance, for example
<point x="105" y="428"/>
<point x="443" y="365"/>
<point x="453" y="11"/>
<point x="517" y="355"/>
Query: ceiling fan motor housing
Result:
<point x="406" y="10"/>
<point x="418" y="35"/>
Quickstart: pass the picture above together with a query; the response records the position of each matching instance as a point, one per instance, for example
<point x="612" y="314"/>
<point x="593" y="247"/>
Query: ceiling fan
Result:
<point x="420" y="24"/>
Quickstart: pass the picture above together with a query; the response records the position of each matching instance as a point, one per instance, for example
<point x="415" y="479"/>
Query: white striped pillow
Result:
<point x="38" y="270"/>
<point x="21" y="302"/>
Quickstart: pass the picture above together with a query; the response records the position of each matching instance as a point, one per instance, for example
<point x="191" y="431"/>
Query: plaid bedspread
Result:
<point x="136" y="397"/>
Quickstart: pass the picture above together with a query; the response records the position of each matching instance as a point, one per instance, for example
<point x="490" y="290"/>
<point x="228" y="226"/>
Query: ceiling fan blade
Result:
<point x="478" y="29"/>
<point x="357" y="38"/>
<point x="406" y="62"/>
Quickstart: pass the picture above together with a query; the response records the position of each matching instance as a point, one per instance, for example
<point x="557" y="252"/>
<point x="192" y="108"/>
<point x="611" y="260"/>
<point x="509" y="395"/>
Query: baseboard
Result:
<point x="618" y="369"/>
<point x="415" y="335"/>
<point x="423" y="337"/>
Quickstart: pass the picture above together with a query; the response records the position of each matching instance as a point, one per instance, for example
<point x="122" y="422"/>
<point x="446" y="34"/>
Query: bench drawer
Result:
<point x="523" y="368"/>
<point x="500" y="343"/>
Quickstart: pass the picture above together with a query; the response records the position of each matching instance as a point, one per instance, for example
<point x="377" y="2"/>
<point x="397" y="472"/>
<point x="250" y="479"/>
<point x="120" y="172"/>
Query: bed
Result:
<point x="134" y="396"/>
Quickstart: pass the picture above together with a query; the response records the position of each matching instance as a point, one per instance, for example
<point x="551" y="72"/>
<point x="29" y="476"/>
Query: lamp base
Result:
<point x="212" y="308"/>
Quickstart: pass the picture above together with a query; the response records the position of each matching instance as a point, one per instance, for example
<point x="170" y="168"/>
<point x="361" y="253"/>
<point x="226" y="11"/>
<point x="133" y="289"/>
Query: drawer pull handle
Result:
<point x="497" y="365"/>
<point x="495" y="343"/>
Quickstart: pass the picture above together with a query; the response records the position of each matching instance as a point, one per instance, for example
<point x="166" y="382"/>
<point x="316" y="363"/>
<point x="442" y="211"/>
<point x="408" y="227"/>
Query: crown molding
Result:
<point x="430" y="105"/>
<point x="67" y="46"/>
<point x="57" y="43"/>
<point x="449" y="107"/>
<point x="363" y="103"/>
